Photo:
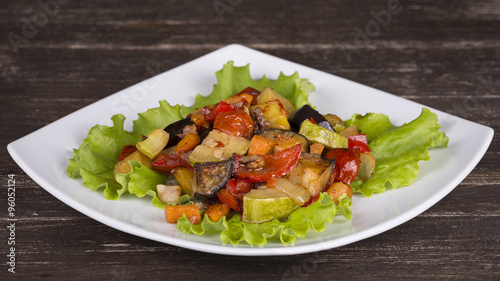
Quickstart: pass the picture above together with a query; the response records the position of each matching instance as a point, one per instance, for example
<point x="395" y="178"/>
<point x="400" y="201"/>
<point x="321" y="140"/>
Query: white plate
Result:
<point x="371" y="216"/>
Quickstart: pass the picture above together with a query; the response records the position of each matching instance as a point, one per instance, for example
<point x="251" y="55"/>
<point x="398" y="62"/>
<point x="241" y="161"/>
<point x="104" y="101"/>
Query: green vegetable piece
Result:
<point x="316" y="133"/>
<point x="262" y="205"/>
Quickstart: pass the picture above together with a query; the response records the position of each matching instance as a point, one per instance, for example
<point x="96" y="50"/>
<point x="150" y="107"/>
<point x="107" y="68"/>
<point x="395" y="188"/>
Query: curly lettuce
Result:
<point x="297" y="225"/>
<point x="397" y="150"/>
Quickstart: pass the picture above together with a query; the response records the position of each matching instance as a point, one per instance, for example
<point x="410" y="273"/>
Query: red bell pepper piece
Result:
<point x="210" y="113"/>
<point x="166" y="162"/>
<point x="311" y="200"/>
<point x="346" y="163"/>
<point x="239" y="186"/>
<point x="233" y="202"/>
<point x="276" y="165"/>
<point x="359" y="142"/>
<point x="126" y="151"/>
<point x="251" y="91"/>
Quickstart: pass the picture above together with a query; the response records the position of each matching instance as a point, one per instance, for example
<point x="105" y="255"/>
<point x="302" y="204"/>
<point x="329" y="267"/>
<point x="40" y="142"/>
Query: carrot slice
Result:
<point x="338" y="189"/>
<point x="260" y="146"/>
<point x="317" y="148"/>
<point x="188" y="143"/>
<point x="175" y="212"/>
<point x="216" y="211"/>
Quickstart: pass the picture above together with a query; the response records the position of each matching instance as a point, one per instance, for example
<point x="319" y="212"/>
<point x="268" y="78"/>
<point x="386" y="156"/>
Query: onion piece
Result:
<point x="299" y="194"/>
<point x="168" y="193"/>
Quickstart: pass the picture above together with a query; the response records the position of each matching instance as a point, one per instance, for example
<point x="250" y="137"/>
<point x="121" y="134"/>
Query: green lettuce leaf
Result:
<point x="142" y="181"/>
<point x="397" y="150"/>
<point x="155" y="118"/>
<point x="295" y="226"/>
<point x="96" y="157"/>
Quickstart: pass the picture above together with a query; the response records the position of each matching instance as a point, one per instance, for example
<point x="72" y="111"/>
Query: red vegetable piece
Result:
<point x="210" y="113"/>
<point x="346" y="163"/>
<point x="126" y="151"/>
<point x="166" y="162"/>
<point x="235" y="122"/>
<point x="251" y="91"/>
<point x="239" y="186"/>
<point x="359" y="142"/>
<point x="311" y="200"/>
<point x="233" y="202"/>
<point x="276" y="165"/>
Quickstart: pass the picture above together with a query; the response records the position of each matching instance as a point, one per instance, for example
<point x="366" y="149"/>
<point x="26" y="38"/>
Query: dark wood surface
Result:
<point x="444" y="54"/>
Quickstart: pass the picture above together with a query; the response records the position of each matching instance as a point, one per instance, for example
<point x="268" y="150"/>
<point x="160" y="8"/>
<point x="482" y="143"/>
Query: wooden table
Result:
<point x="57" y="58"/>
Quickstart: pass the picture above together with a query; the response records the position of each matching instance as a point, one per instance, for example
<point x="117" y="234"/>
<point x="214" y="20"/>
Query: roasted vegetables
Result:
<point x="240" y="155"/>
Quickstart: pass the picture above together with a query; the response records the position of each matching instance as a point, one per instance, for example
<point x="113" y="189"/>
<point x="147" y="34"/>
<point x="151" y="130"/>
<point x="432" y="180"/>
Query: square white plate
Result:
<point x="371" y="216"/>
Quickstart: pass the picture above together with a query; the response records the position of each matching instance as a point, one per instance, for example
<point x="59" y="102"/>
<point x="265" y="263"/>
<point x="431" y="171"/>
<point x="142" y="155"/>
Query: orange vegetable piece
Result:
<point x="232" y="201"/>
<point x="240" y="97"/>
<point x="235" y="122"/>
<point x="271" y="183"/>
<point x="338" y="189"/>
<point x="198" y="118"/>
<point x="216" y="211"/>
<point x="175" y="212"/>
<point x="188" y="143"/>
<point x="316" y="148"/>
<point x="260" y="146"/>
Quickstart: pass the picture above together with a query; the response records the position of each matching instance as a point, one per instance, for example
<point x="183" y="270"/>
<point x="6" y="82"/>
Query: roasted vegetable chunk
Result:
<point x="211" y="176"/>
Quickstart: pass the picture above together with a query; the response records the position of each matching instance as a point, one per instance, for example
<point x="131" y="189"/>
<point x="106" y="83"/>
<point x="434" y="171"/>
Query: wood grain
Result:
<point x="443" y="54"/>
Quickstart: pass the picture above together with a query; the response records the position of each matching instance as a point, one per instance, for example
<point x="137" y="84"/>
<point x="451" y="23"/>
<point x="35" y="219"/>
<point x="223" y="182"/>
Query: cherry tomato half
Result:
<point x="234" y="122"/>
<point x="276" y="165"/>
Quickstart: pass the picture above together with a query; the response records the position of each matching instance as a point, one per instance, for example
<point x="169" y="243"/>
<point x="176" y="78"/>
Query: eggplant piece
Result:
<point x="176" y="128"/>
<point x="210" y="177"/>
<point x="306" y="112"/>
<point x="284" y="139"/>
